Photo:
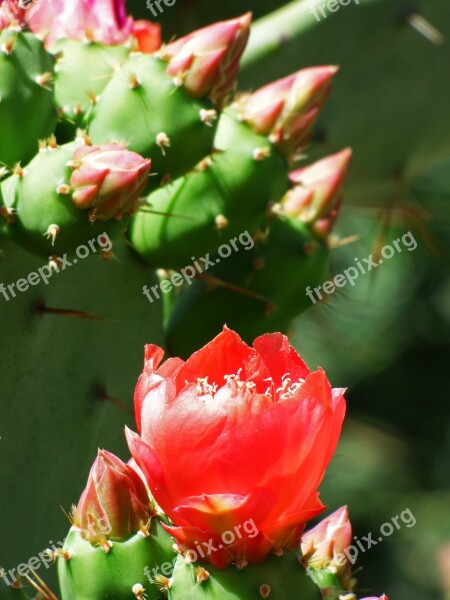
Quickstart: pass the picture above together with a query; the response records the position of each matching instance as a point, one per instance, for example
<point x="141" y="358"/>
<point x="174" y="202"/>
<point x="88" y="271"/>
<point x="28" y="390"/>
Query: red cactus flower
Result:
<point x="114" y="504"/>
<point x="102" y="21"/>
<point x="234" y="444"/>
<point x="108" y="180"/>
<point x="287" y="109"/>
<point x="206" y="61"/>
<point x="323" y="546"/>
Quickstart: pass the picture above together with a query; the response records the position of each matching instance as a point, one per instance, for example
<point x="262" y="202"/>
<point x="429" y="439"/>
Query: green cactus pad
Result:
<point x="272" y="279"/>
<point x="277" y="578"/>
<point x="140" y="103"/>
<point x="27" y="111"/>
<point x="78" y="338"/>
<point x="226" y="195"/>
<point x="82" y="72"/>
<point x="92" y="574"/>
<point x="37" y="205"/>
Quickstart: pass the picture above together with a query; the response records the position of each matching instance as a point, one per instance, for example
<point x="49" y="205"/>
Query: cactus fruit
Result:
<point x="27" y="111"/>
<point x="82" y="72"/>
<point x="68" y="194"/>
<point x="260" y="282"/>
<point x="169" y="102"/>
<point x="277" y="578"/>
<point x="227" y="193"/>
<point x="231" y="191"/>
<point x="115" y="536"/>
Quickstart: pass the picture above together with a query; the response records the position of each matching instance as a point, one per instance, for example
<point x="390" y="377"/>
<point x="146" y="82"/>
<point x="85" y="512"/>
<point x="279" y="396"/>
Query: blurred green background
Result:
<point x="388" y="338"/>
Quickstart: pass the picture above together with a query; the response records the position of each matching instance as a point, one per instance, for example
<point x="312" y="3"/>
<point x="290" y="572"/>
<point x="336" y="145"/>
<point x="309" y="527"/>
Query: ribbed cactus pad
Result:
<point x="278" y="578"/>
<point x="90" y="573"/>
<point x="27" y="111"/>
<point x="142" y="106"/>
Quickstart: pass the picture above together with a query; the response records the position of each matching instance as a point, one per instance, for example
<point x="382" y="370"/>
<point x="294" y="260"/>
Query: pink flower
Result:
<point x="103" y="21"/>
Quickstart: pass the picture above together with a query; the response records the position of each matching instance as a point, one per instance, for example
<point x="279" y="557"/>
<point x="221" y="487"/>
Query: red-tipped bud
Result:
<point x="323" y="546"/>
<point x="317" y="192"/>
<point x="108" y="180"/>
<point x="287" y="109"/>
<point x="147" y="36"/>
<point x="207" y="61"/>
<point x="383" y="597"/>
<point x="114" y="504"/>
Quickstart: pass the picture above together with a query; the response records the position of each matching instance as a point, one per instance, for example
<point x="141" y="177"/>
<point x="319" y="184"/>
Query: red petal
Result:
<point x="280" y="358"/>
<point x="227" y="354"/>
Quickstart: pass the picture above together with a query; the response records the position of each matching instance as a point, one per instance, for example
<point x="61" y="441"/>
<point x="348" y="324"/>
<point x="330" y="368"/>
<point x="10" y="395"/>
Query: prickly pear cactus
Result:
<point x="174" y="165"/>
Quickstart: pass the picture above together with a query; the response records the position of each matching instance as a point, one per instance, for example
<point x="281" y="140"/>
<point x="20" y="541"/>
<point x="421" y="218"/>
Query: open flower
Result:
<point x="234" y="444"/>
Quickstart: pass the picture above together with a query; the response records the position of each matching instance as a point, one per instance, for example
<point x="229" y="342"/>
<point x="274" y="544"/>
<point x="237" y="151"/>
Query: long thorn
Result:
<point x="426" y="29"/>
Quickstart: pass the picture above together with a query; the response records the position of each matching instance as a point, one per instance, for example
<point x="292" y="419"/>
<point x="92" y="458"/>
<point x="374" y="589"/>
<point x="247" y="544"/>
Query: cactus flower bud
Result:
<point x="287" y="109"/>
<point x="108" y="180"/>
<point x="316" y="195"/>
<point x="114" y="504"/>
<point x="206" y="61"/>
<point x="147" y="36"/>
<point x="383" y="597"/>
<point x="103" y="21"/>
<point x="323" y="546"/>
<point x="234" y="443"/>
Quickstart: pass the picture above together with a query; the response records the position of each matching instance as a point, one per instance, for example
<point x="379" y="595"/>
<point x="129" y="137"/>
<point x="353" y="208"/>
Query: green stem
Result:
<point x="278" y="28"/>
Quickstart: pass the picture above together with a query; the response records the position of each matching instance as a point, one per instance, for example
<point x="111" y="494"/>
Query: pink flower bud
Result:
<point x="206" y="61"/>
<point x="108" y="180"/>
<point x="323" y="546"/>
<point x="287" y="109"/>
<point x="114" y="504"/>
<point x="316" y="195"/>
